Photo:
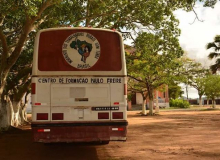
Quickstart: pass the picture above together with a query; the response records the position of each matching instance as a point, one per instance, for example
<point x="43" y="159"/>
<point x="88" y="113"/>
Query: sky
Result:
<point x="194" y="37"/>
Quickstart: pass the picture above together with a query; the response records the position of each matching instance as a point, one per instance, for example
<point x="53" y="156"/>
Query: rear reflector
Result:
<point x="42" y="116"/>
<point x="33" y="88"/>
<point x="104" y="115"/>
<point x="57" y="116"/>
<point x="118" y="129"/>
<point x="117" y="115"/>
<point x="37" y="104"/>
<point x="116" y="103"/>
<point x="43" y="130"/>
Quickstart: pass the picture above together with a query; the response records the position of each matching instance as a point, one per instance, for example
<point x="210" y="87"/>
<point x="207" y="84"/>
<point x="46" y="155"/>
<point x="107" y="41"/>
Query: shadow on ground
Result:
<point x="18" y="144"/>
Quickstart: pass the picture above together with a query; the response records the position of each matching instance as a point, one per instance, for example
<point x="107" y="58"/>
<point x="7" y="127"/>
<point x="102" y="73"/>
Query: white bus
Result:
<point x="79" y="86"/>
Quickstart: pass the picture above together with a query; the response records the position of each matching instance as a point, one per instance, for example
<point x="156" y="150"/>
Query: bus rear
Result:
<point x="79" y="86"/>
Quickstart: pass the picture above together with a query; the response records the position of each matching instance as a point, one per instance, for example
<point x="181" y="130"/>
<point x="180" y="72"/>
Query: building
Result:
<point x="163" y="99"/>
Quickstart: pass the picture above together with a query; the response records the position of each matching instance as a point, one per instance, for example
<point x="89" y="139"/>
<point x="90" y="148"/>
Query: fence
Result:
<point x="204" y="101"/>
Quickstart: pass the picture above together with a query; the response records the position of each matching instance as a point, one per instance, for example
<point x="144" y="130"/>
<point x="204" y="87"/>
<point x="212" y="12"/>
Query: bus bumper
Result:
<point x="79" y="132"/>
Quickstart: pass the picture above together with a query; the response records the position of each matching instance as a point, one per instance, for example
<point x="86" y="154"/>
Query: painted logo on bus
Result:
<point x="81" y="50"/>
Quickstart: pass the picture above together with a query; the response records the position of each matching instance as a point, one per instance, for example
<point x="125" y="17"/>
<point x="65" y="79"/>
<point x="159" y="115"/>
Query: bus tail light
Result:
<point x="42" y="116"/>
<point x="117" y="115"/>
<point x="103" y="115"/>
<point x="33" y="88"/>
<point x="57" y="116"/>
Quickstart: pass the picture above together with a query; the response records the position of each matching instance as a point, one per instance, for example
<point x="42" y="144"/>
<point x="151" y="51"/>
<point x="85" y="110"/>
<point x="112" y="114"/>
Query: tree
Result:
<point x="153" y="64"/>
<point x="193" y="74"/>
<point x="135" y="86"/>
<point x="18" y="86"/>
<point x="212" y="87"/>
<point x="198" y="82"/>
<point x="215" y="46"/>
<point x="175" y="91"/>
<point x="20" y="20"/>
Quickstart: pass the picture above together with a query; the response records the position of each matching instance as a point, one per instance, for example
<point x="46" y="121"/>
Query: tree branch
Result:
<point x="196" y="18"/>
<point x="22" y="90"/>
<point x="135" y="78"/>
<point x="4" y="47"/>
<point x="28" y="26"/>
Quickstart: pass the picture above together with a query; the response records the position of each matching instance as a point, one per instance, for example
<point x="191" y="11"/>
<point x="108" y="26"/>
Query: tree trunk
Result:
<point x="16" y="120"/>
<point x="12" y="114"/>
<point x="19" y="114"/>
<point x="200" y="101"/>
<point x="144" y="106"/>
<point x="157" y="109"/>
<point x="23" y="114"/>
<point x="207" y="101"/>
<point x="187" y="92"/>
<point x="213" y="103"/>
<point x="151" y="109"/>
<point x="4" y="116"/>
<point x="151" y="102"/>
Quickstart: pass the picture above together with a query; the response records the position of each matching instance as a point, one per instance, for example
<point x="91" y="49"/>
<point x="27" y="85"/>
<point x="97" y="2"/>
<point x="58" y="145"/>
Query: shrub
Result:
<point x="179" y="103"/>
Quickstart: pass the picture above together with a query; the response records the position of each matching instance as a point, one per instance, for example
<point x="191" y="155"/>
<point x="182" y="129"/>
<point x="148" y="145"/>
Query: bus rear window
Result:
<point x="79" y="50"/>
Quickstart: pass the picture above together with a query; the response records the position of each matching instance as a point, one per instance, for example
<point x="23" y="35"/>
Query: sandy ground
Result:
<point x="176" y="135"/>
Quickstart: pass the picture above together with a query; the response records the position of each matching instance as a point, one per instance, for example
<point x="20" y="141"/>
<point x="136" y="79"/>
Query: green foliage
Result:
<point x="175" y="91"/>
<point x="209" y="3"/>
<point x="78" y="44"/>
<point x="215" y="47"/>
<point x="129" y="96"/>
<point x="153" y="63"/>
<point x="192" y="73"/>
<point x="179" y="103"/>
<point x="212" y="86"/>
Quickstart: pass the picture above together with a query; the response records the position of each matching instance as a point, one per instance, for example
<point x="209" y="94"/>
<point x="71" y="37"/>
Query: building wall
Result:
<point x="163" y="98"/>
<point x="139" y="98"/>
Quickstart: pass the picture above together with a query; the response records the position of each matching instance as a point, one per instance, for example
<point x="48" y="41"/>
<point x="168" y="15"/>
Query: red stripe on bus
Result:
<point x="33" y="88"/>
<point x="125" y="89"/>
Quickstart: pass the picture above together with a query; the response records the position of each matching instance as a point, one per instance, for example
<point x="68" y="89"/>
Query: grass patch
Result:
<point x="210" y="109"/>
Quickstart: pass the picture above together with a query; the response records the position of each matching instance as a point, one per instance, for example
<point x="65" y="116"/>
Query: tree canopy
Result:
<point x="212" y="87"/>
<point x="175" y="91"/>
<point x="192" y="74"/>
<point x="153" y="63"/>
<point x="215" y="46"/>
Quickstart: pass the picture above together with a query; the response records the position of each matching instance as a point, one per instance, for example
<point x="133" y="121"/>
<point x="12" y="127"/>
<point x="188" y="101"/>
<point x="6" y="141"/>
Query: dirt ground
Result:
<point x="172" y="135"/>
